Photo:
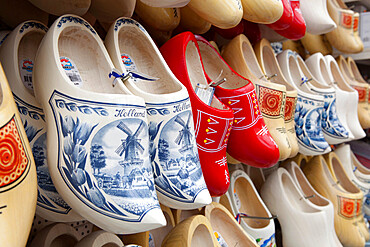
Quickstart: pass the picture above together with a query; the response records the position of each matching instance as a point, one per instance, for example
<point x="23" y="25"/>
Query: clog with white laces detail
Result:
<point x="212" y="119"/>
<point x="248" y="142"/>
<point x="100" y="165"/>
<point x="309" y="109"/>
<point x="17" y="56"/>
<point x="174" y="155"/>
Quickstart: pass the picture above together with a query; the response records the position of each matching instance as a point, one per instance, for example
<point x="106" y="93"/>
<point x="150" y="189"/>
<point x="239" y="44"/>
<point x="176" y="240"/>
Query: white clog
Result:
<point x="174" y="155"/>
<point x="313" y="197"/>
<point x="17" y="57"/>
<point x="316" y="16"/>
<point x="100" y="161"/>
<point x="308" y="116"/>
<point x="57" y="234"/>
<point x="301" y="223"/>
<point x="249" y="209"/>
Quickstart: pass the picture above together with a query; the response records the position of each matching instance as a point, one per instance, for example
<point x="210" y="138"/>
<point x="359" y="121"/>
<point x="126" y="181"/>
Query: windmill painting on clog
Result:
<point x="17" y="57"/>
<point x="173" y="151"/>
<point x="100" y="164"/>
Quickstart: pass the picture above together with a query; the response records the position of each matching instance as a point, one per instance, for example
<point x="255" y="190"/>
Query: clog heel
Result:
<point x="100" y="164"/>
<point x="174" y="155"/>
<point x="18" y="57"/>
<point x="246" y="138"/>
<point x="18" y="182"/>
<point x="99" y="239"/>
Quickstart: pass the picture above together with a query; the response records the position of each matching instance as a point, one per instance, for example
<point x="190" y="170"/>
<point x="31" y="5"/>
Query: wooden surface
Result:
<point x="56" y="235"/>
<point x="99" y="239"/>
<point x="110" y="10"/>
<point x="262" y="11"/>
<point x="61" y="7"/>
<point x="192" y="22"/>
<point x="316" y="43"/>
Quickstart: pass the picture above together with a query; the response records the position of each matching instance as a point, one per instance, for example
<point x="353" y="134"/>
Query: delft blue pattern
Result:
<point x="32" y="24"/>
<point x="308" y="125"/>
<point x="154" y="111"/>
<point x="85" y="109"/>
<point x="277" y="47"/>
<point x="3" y="39"/>
<point x="127" y="21"/>
<point x="121" y="183"/>
<point x="32" y="114"/>
<point x="75" y="19"/>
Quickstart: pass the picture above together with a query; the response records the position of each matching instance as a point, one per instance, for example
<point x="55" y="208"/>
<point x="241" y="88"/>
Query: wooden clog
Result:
<point x="180" y="215"/>
<point x="318" y="20"/>
<point x="61" y="7"/>
<point x="192" y="22"/>
<point x="226" y="229"/>
<point x="220" y="13"/>
<point x="318" y="173"/>
<point x="137" y="239"/>
<point x="355" y="25"/>
<point x="25" y="12"/>
<point x="100" y="239"/>
<point x="355" y="72"/>
<point x="109" y="11"/>
<point x="156" y="236"/>
<point x="194" y="231"/>
<point x="3" y="35"/>
<point x="18" y="184"/>
<point x="316" y="43"/>
<point x="269" y="65"/>
<point x="164" y="19"/>
<point x="270" y="34"/>
<point x="56" y="235"/>
<point x="295" y="46"/>
<point x="264" y="11"/>
<point x="300" y="159"/>
<point x="166" y="3"/>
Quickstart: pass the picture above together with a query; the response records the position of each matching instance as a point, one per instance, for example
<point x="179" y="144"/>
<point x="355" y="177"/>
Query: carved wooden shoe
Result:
<point x="269" y="65"/>
<point x="179" y="184"/>
<point x="249" y="142"/>
<point x="18" y="184"/>
<point x="61" y="7"/>
<point x="166" y="3"/>
<point x="316" y="16"/>
<point x="302" y="223"/>
<point x="240" y="56"/>
<point x="319" y="175"/>
<point x="18" y="58"/>
<point x="355" y="72"/>
<point x="101" y="167"/>
<point x="356" y="20"/>
<point x="247" y="206"/>
<point x="213" y="119"/>
<point x="226" y="229"/>
<point x="316" y="43"/>
<point x="308" y="116"/>
<point x="55" y="235"/>
<point x="109" y="11"/>
<point x="194" y="231"/>
<point x="300" y="159"/>
<point x="192" y="22"/>
<point x="99" y="239"/>
<point x="220" y="13"/>
<point x="319" y="202"/>
<point x="286" y="19"/>
<point x="264" y="12"/>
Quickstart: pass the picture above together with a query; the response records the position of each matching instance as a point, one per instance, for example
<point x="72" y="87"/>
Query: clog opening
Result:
<point x="360" y="167"/>
<point x="159" y="234"/>
<point x="328" y="175"/>
<point x="296" y="75"/>
<point x="139" y="51"/>
<point x="80" y="49"/>
<point x="293" y="196"/>
<point x="250" y="60"/>
<point x="272" y="67"/>
<point x="201" y="237"/>
<point x="216" y="68"/>
<point x="341" y="175"/>
<point x="354" y="70"/>
<point x="324" y="72"/>
<point x="308" y="74"/>
<point x="250" y="204"/>
<point x="338" y="78"/>
<point x="226" y="227"/>
<point x="27" y="50"/>
<point x="64" y="241"/>
<point x="307" y="189"/>
<point x="196" y="73"/>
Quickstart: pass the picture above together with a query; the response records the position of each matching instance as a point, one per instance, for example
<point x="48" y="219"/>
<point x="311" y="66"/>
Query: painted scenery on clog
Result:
<point x="330" y="122"/>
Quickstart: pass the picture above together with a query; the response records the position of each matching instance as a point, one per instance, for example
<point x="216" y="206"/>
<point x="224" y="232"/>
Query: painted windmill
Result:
<point x="185" y="134"/>
<point x="130" y="146"/>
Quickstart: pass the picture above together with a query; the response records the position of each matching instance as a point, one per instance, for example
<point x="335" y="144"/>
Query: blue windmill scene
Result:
<point x="185" y="135"/>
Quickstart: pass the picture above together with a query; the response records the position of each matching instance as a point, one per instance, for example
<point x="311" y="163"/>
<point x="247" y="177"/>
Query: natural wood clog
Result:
<point x="270" y="34"/>
<point x="262" y="11"/>
<point x="25" y="11"/>
<point x="300" y="159"/>
<point x="194" y="231"/>
<point x="164" y="19"/>
<point x="192" y="22"/>
<point x="156" y="236"/>
<point x="18" y="184"/>
<point x="180" y="215"/>
<point x="355" y="25"/>
<point x="61" y="7"/>
<point x="269" y="65"/>
<point x="18" y="57"/>
<point x="220" y="13"/>
<point x="100" y="239"/>
<point x="226" y="229"/>
<point x="166" y="3"/>
<point x="345" y="203"/>
<point x="109" y="11"/>
<point x="56" y="235"/>
<point x="295" y="46"/>
<point x="318" y="20"/>
<point x="316" y="43"/>
<point x="354" y="70"/>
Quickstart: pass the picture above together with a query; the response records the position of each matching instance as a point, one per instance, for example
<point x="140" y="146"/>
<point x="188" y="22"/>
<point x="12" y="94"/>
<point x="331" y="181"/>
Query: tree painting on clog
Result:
<point x="34" y="125"/>
<point x="104" y="156"/>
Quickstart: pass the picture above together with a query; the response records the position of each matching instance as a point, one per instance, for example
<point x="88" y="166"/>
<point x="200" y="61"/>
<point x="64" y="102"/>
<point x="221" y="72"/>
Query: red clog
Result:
<point x="252" y="31"/>
<point x="297" y="28"/>
<point x="285" y="20"/>
<point x="231" y="32"/>
<point x="250" y="142"/>
<point x="212" y="122"/>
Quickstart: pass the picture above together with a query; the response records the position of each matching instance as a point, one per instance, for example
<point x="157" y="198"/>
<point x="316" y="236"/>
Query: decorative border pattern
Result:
<point x="290" y="104"/>
<point x="347" y="207"/>
<point x="123" y="21"/>
<point x="75" y="19"/>
<point x="4" y="38"/>
<point x="362" y="93"/>
<point x="32" y="24"/>
<point x="85" y="109"/>
<point x="345" y="20"/>
<point x="270" y="101"/>
<point x="355" y="23"/>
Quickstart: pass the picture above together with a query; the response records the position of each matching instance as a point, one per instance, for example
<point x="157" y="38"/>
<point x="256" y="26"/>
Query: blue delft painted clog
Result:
<point x="17" y="56"/>
<point x="100" y="157"/>
<point x="177" y="172"/>
<point x="308" y="115"/>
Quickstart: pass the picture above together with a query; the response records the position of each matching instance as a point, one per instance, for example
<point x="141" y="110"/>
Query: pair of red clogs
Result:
<point x="225" y="108"/>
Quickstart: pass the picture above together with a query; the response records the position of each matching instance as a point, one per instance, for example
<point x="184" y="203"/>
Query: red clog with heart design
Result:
<point x="250" y="142"/>
<point x="212" y="121"/>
